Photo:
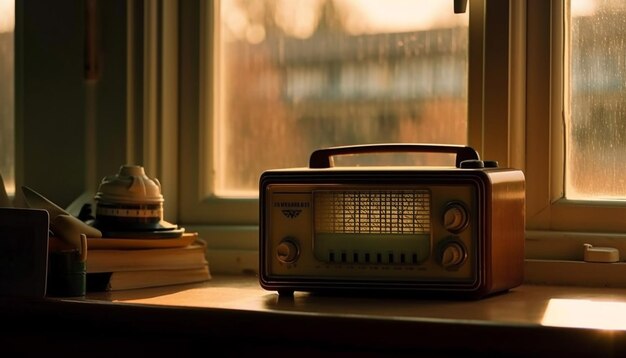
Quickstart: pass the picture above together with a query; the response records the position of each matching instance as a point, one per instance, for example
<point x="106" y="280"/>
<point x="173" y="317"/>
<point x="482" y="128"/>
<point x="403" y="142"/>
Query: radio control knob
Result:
<point x="287" y="251"/>
<point x="455" y="218"/>
<point x="453" y="254"/>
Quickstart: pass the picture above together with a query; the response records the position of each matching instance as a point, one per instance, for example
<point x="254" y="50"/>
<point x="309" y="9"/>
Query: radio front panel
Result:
<point x="405" y="233"/>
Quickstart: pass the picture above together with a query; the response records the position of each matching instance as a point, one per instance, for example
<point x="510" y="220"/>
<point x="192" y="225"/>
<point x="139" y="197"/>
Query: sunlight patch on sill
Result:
<point x="584" y="313"/>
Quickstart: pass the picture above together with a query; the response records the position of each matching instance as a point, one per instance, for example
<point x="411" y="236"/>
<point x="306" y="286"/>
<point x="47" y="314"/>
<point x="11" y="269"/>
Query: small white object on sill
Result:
<point x="601" y="254"/>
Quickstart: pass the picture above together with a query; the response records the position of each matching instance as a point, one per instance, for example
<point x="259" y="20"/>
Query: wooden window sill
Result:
<point x="232" y="314"/>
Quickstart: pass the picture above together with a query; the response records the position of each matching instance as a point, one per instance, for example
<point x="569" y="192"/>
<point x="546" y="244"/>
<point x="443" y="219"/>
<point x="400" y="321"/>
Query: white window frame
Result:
<point x="557" y="227"/>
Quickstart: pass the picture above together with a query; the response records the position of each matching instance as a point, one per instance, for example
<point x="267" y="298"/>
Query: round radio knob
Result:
<point x="453" y="254"/>
<point x="455" y="218"/>
<point x="287" y="251"/>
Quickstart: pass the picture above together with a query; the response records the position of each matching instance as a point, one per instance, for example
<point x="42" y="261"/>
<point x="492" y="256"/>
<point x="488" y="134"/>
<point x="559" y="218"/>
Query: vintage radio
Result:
<point x="450" y="230"/>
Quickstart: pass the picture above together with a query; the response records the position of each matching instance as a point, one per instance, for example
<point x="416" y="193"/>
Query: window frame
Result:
<point x="557" y="228"/>
<point x="198" y="203"/>
<point x="547" y="208"/>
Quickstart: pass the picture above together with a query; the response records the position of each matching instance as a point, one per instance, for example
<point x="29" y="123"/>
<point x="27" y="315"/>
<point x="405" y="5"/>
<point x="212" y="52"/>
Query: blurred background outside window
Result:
<point x="297" y="75"/>
<point x="596" y="127"/>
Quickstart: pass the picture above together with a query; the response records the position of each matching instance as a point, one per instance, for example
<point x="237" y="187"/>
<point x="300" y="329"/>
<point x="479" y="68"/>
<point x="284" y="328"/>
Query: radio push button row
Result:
<point x="455" y="218"/>
<point x="452" y="255"/>
<point x="287" y="251"/>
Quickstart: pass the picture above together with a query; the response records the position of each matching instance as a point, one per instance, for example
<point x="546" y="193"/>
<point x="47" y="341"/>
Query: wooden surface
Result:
<point x="537" y="320"/>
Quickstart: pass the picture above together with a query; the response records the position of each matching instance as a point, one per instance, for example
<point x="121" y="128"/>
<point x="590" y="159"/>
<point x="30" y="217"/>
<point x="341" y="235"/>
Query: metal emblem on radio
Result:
<point x="291" y="213"/>
<point x="456" y="230"/>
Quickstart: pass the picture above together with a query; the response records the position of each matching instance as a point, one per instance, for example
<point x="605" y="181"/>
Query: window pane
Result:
<point x="297" y="75"/>
<point x="7" y="144"/>
<point x="596" y="137"/>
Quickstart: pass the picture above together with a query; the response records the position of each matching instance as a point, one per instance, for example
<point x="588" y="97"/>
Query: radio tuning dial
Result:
<point x="287" y="251"/>
<point x="453" y="254"/>
<point x="455" y="218"/>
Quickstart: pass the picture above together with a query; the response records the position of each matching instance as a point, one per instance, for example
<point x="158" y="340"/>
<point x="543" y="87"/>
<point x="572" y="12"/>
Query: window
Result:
<point x="562" y="214"/>
<point x="7" y="128"/>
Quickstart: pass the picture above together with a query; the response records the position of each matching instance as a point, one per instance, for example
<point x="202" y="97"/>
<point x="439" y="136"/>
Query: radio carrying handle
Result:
<point x="322" y="158"/>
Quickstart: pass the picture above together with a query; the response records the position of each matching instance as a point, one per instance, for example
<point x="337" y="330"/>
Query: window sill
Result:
<point x="530" y="319"/>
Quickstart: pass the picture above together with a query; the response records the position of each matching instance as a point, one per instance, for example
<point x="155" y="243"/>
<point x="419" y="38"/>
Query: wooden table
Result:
<point x="232" y="315"/>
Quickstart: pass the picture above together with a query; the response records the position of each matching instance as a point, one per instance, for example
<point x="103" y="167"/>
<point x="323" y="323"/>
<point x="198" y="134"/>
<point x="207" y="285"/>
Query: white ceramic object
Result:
<point x="130" y="204"/>
<point x="130" y="185"/>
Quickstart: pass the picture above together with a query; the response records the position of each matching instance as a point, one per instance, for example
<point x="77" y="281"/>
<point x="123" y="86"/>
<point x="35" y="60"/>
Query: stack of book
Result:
<point x="120" y="264"/>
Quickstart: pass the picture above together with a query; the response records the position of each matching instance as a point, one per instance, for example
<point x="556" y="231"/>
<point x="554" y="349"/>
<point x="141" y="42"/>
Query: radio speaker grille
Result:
<point x="372" y="212"/>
